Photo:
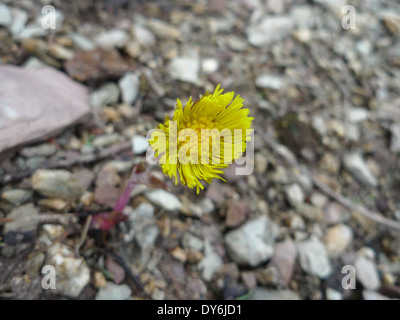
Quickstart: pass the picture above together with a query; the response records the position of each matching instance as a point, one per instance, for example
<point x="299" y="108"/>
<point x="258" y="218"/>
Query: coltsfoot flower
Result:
<point x="202" y="138"/>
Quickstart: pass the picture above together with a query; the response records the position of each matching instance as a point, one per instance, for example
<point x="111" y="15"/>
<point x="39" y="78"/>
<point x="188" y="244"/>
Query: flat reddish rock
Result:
<point x="284" y="259"/>
<point x="36" y="104"/>
<point x="97" y="65"/>
<point x="236" y="213"/>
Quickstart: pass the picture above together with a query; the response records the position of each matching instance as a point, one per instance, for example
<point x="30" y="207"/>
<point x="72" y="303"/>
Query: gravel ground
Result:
<point x="319" y="217"/>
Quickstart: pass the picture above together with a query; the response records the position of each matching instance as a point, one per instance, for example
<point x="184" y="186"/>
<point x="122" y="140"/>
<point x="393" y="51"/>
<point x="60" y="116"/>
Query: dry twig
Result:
<point x="83" y="235"/>
<point x="43" y="218"/>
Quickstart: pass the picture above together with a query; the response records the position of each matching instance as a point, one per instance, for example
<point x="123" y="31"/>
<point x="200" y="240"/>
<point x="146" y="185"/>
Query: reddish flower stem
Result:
<point x="107" y="220"/>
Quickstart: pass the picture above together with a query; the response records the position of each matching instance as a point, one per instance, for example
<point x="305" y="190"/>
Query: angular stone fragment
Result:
<point x="36" y="104"/>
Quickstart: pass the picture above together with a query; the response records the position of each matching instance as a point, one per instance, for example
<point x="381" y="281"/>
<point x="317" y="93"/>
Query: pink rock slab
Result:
<point x="36" y="104"/>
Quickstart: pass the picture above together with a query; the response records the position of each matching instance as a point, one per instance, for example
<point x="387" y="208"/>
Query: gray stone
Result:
<point x="72" y="274"/>
<point x="303" y="35"/>
<point x="269" y="81"/>
<point x="267" y="106"/>
<point x="334" y="5"/>
<point x="281" y="175"/>
<point x="106" y="94"/>
<point x="104" y="140"/>
<point x="260" y="293"/>
<point x="164" y="199"/>
<point x="334" y="213"/>
<point x="252" y="243"/>
<point x="302" y="179"/>
<point x="158" y="294"/>
<point x="20" y="233"/>
<point x="56" y="184"/>
<point x="276" y="6"/>
<point x="110" y="39"/>
<point x="391" y="21"/>
<point x="163" y="29"/>
<point x="19" y="19"/>
<point x="42" y="150"/>
<point x="387" y="265"/>
<point x="309" y="212"/>
<point x="316" y="230"/>
<point x="294" y="194"/>
<point x="189" y="241"/>
<point x="319" y="200"/>
<point x="144" y="210"/>
<point x="129" y="85"/>
<point x="24" y="219"/>
<point x="210" y="263"/>
<point x="318" y="123"/>
<point x="313" y="258"/>
<point x="35" y="263"/>
<point x="192" y="209"/>
<point x="87" y="149"/>
<point x="143" y="35"/>
<point x="337" y="239"/>
<point x="143" y="227"/>
<point x="237" y="43"/>
<point x="304" y="16"/>
<point x="119" y="165"/>
<point x="330" y="163"/>
<point x="16" y="196"/>
<point x="5" y="15"/>
<point x="356" y="165"/>
<point x="261" y="163"/>
<point x="29" y="115"/>
<point x="269" y="30"/>
<point x="34" y="162"/>
<point x="373" y="295"/>
<point x="114" y="291"/>
<point x="203" y="207"/>
<point x="352" y="132"/>
<point x="31" y="31"/>
<point x="148" y="236"/>
<point x="134" y="50"/>
<point x="367" y="252"/>
<point x="395" y="139"/>
<point x="297" y="222"/>
<point x="82" y="42"/>
<point x="60" y="52"/>
<point x="139" y="144"/>
<point x="185" y="69"/>
<point x="34" y="63"/>
<point x="55" y="204"/>
<point x="84" y="176"/>
<point x="209" y="65"/>
<point x="333" y="294"/>
<point x="207" y="206"/>
<point x="357" y="114"/>
<point x="367" y="273"/>
<point x="223" y="23"/>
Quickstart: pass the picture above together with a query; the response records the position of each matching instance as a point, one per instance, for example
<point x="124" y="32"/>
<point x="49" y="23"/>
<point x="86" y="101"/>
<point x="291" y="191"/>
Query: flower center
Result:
<point x="198" y="133"/>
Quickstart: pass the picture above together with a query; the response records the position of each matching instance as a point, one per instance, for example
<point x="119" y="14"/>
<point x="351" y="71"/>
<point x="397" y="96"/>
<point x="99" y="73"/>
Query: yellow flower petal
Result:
<point x="216" y="124"/>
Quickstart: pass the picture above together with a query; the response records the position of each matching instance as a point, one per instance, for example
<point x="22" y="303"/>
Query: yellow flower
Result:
<point x="202" y="138"/>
